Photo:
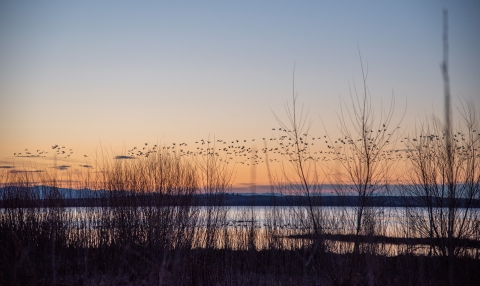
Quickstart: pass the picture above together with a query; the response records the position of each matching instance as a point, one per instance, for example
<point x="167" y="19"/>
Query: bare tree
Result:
<point x="300" y="176"/>
<point x="363" y="158"/>
<point x="445" y="177"/>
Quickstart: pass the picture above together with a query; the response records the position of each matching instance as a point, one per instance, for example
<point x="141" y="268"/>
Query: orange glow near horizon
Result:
<point x="247" y="165"/>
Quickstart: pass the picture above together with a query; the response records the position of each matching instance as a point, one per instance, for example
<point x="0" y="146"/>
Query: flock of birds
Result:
<point x="287" y="146"/>
<point x="57" y="150"/>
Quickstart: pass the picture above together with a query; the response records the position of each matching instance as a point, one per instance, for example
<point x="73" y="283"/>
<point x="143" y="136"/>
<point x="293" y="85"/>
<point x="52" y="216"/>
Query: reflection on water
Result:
<point x="385" y="231"/>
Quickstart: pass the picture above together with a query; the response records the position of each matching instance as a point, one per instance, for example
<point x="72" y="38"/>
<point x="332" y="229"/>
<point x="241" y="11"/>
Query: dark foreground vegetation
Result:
<point x="180" y="243"/>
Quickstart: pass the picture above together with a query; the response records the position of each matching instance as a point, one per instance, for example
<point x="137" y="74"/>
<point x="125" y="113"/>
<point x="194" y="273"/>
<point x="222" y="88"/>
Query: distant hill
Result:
<point x="48" y="196"/>
<point x="45" y="192"/>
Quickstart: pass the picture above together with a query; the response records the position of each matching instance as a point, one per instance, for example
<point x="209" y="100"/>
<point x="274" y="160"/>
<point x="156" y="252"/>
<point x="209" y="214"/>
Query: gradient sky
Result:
<point x="116" y="74"/>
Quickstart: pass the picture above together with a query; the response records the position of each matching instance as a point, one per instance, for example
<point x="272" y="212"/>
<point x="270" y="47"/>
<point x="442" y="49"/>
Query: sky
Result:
<point x="113" y="75"/>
